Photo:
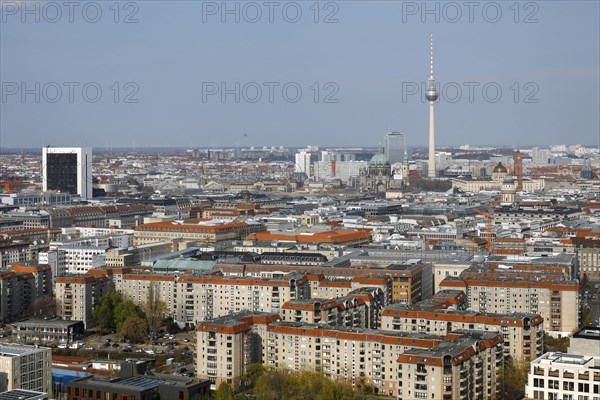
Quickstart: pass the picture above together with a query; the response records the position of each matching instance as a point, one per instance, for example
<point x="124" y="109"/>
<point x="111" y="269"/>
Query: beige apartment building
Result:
<point x="323" y="288"/>
<point x="192" y="298"/>
<point x="557" y="302"/>
<point x="227" y="344"/>
<point x="564" y="376"/>
<point x="522" y="333"/>
<point x="205" y="297"/>
<point x="361" y="308"/>
<point x="76" y="296"/>
<point x="25" y="367"/>
<point x="461" y="369"/>
<point x="344" y="311"/>
<point x="137" y="287"/>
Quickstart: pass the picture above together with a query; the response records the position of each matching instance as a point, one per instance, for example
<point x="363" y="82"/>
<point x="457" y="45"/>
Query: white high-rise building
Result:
<point x="68" y="169"/>
<point x="303" y="162"/>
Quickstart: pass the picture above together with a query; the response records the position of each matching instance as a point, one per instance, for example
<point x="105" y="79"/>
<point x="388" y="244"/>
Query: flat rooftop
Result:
<point x="12" y="350"/>
<point x="592" y="333"/>
<point x="21" y="394"/>
<point x="55" y="323"/>
<point x="568" y="360"/>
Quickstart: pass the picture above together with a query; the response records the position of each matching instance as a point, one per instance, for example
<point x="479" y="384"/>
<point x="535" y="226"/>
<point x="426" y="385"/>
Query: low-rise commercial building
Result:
<point x="48" y="330"/>
<point x="132" y="386"/>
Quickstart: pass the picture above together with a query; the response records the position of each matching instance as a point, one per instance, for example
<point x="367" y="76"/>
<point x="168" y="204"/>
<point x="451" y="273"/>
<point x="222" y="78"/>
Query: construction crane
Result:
<point x="488" y="228"/>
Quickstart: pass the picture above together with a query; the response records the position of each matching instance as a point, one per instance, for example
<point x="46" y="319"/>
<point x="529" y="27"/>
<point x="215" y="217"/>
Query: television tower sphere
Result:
<point x="431" y="94"/>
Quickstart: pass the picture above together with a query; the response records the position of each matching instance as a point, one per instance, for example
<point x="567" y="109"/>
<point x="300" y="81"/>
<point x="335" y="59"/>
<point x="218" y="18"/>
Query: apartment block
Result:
<point x="557" y="302"/>
<point x="344" y="311"/>
<point x="227" y="344"/>
<point x="25" y="367"/>
<point x="565" y="377"/>
<point x="76" y="296"/>
<point x="192" y="298"/>
<point x="374" y="299"/>
<point x="522" y="333"/>
<point x="464" y="368"/>
<point x="137" y="287"/>
<point x="42" y="277"/>
<point x="412" y="283"/>
<point x="361" y="308"/>
<point x="588" y="250"/>
<point x="205" y="297"/>
<point x="322" y="288"/>
<point x="21" y="287"/>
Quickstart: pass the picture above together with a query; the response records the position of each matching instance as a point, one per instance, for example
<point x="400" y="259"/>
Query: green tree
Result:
<point x="134" y="328"/>
<point x="154" y="309"/>
<point x="171" y="326"/>
<point x="125" y="310"/>
<point x="514" y="379"/>
<point x="556" y="344"/>
<point x="224" y="392"/>
<point x="104" y="312"/>
<point x="277" y="384"/>
<point x="252" y="372"/>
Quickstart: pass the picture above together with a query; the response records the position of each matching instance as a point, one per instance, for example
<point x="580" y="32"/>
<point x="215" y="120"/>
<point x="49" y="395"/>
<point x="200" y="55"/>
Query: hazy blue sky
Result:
<point x="371" y="56"/>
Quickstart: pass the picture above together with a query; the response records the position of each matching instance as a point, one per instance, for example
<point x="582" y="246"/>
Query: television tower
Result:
<point x="431" y="95"/>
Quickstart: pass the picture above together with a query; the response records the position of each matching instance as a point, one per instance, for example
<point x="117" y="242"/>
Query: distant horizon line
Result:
<point x="5" y="150"/>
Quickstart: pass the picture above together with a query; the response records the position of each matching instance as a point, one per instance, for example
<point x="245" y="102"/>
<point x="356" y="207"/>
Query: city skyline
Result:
<point x="367" y="67"/>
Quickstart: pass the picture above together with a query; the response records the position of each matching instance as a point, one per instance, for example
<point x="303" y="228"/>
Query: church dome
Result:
<point x="500" y="169"/>
<point x="379" y="159"/>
